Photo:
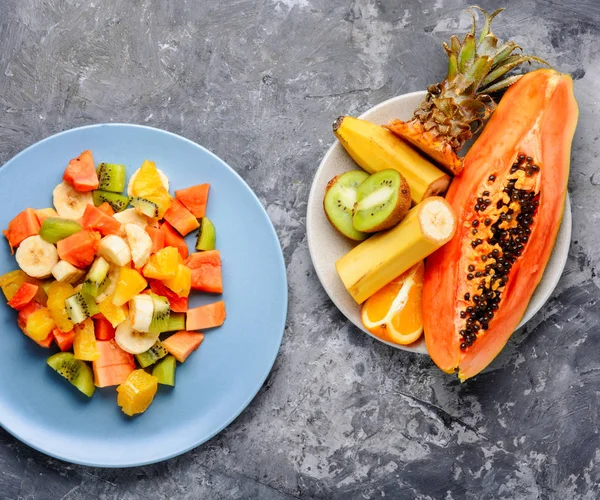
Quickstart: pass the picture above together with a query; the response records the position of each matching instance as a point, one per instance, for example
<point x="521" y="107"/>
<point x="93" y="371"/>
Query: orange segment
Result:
<point x="137" y="392"/>
<point x="148" y="185"/>
<point x="394" y="313"/>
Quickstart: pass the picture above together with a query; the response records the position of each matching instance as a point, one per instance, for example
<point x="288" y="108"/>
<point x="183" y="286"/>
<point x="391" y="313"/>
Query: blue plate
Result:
<point x="217" y="382"/>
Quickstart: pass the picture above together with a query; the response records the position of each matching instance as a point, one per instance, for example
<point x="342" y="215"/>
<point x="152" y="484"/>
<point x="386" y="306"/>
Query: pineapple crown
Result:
<point x="477" y="67"/>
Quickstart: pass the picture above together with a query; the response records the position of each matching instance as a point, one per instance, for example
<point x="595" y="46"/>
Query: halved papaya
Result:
<point x="509" y="200"/>
<point x="81" y="173"/>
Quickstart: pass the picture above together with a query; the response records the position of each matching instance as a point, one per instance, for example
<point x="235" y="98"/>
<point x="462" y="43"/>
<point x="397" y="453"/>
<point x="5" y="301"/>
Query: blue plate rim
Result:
<point x="283" y="273"/>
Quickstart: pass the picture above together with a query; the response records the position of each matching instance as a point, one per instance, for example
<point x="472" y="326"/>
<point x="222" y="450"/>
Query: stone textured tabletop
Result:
<point x="341" y="416"/>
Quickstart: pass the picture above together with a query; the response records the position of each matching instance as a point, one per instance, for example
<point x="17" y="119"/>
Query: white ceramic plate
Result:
<point x="326" y="245"/>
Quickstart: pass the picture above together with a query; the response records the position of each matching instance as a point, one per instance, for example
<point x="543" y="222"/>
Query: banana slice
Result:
<point x="141" y="311"/>
<point x="140" y="244"/>
<point x="114" y="249"/>
<point x="163" y="178"/>
<point x="37" y="257"/>
<point x="131" y="216"/>
<point x="69" y="203"/>
<point x="67" y="273"/>
<point x="132" y="341"/>
<point x="111" y="286"/>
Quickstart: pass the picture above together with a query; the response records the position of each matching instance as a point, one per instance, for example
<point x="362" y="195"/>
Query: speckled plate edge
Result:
<point x="326" y="245"/>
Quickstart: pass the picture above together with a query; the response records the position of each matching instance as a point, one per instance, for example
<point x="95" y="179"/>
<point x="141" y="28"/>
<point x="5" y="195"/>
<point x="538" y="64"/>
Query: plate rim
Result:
<point x="566" y="221"/>
<point x="280" y="328"/>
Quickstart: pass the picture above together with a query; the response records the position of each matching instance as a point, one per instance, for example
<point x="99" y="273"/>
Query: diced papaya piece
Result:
<point x="47" y="342"/>
<point x="178" y="304"/>
<point x="174" y="239"/>
<point x="113" y="366"/>
<point x="64" y="340"/>
<point x="24" y="296"/>
<point x="207" y="275"/>
<point x="195" y="199"/>
<point x="24" y="225"/>
<point x="80" y="248"/>
<point x="94" y="218"/>
<point x="181" y="218"/>
<point x="182" y="344"/>
<point x="103" y="329"/>
<point x="157" y="237"/>
<point x="45" y="213"/>
<point x="24" y="314"/>
<point x="207" y="316"/>
<point x="106" y="208"/>
<point x="81" y="173"/>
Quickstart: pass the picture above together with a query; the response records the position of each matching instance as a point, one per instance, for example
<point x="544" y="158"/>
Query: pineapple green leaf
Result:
<point x="505" y="68"/>
<point x="503" y="84"/>
<point x="467" y="53"/>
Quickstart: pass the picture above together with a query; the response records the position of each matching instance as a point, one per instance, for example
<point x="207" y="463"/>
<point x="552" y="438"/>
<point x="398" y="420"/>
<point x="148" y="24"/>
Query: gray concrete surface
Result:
<point x="341" y="416"/>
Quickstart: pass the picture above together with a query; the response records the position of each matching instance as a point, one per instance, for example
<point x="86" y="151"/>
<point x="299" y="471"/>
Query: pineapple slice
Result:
<point x="129" y="284"/>
<point x="39" y="324"/>
<point x="164" y="264"/>
<point x="137" y="392"/>
<point x="84" y="345"/>
<point x="58" y="293"/>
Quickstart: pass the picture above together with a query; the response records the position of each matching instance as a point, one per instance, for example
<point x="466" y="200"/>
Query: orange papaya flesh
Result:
<point x="509" y="200"/>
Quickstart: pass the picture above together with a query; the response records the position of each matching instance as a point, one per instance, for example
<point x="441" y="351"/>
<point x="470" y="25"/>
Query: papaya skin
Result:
<point x="537" y="116"/>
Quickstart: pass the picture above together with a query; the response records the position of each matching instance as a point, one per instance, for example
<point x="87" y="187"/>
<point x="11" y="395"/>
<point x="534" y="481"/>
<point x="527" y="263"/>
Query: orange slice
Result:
<point x="394" y="313"/>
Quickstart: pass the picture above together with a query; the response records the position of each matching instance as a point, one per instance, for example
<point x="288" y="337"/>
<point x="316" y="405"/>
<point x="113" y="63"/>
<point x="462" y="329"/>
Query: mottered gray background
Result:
<point x="341" y="416"/>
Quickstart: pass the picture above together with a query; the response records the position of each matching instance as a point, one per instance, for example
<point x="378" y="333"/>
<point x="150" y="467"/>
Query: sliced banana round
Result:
<point x="131" y="216"/>
<point x="66" y="272"/>
<point x="163" y="178"/>
<point x="141" y="311"/>
<point x="140" y="244"/>
<point x="132" y="341"/>
<point x="37" y="257"/>
<point x="114" y="249"/>
<point x="70" y="204"/>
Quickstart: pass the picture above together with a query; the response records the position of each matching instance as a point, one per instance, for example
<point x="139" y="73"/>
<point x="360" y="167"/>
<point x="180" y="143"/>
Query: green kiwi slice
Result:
<point x="117" y="201"/>
<point x="207" y="235"/>
<point x="382" y="201"/>
<point x="54" y="229"/>
<point x="97" y="278"/>
<point x="340" y="197"/>
<point x="112" y="177"/>
<point x="81" y="306"/>
<point x="161" y="315"/>
<point x="164" y="371"/>
<point x="147" y="207"/>
<point x="74" y="370"/>
<point x="176" y="322"/>
<point x="152" y="355"/>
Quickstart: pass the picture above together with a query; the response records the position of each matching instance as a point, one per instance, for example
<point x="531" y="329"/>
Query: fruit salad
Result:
<point x="105" y="278"/>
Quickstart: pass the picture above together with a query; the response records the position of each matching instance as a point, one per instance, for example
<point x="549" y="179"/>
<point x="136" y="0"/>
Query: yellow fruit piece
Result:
<point x="395" y="312"/>
<point x="11" y="282"/>
<point x="129" y="284"/>
<point x="181" y="283"/>
<point x="163" y="264"/>
<point x="114" y="314"/>
<point x="147" y="185"/>
<point x="375" y="262"/>
<point x="375" y="148"/>
<point x="58" y="292"/>
<point x="39" y="324"/>
<point x="84" y="344"/>
<point x="137" y="392"/>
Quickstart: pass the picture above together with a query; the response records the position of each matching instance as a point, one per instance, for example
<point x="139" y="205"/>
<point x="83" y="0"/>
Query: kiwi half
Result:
<point x="112" y="177"/>
<point x="340" y="197"/>
<point x="54" y="229"/>
<point x="382" y="201"/>
<point x="74" y="370"/>
<point x="117" y="201"/>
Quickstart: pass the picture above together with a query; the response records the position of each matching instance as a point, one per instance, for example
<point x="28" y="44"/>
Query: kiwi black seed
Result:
<point x="340" y="197"/>
<point x="80" y="306"/>
<point x="382" y="201"/>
